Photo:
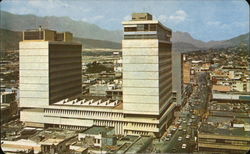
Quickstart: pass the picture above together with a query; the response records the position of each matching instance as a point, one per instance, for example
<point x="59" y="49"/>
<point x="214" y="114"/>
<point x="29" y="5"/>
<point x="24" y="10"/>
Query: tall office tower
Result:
<point x="147" y="70"/>
<point x="177" y="75"/>
<point x="50" y="69"/>
<point x="186" y="72"/>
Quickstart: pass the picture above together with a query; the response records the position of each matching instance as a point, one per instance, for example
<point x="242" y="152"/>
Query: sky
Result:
<point x="205" y="20"/>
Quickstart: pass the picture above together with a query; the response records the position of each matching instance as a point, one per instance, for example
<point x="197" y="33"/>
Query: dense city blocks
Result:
<point x="62" y="94"/>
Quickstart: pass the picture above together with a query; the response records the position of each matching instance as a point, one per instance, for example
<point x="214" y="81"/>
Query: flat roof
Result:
<point x="51" y="141"/>
<point x="53" y="135"/>
<point x="91" y="102"/>
<point x="130" y="22"/>
<point x="228" y="132"/>
<point x="221" y="88"/>
<point x="95" y="130"/>
<point x="140" y="144"/>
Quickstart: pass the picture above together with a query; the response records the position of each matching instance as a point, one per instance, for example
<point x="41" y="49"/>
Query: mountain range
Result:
<point x="9" y="41"/>
<point x="94" y="36"/>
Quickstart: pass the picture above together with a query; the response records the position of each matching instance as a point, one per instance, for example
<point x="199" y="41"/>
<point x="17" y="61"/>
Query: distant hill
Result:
<point x="78" y="28"/>
<point x="184" y="37"/>
<point x="184" y="47"/>
<point x="9" y="40"/>
<point x="244" y="38"/>
<point x="90" y="43"/>
<point x="92" y="36"/>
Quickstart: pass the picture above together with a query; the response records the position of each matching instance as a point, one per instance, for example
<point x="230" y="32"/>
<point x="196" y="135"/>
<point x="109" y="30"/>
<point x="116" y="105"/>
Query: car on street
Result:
<point x="179" y="138"/>
<point x="178" y="123"/>
<point x="184" y="146"/>
<point x="169" y="135"/>
<point x="174" y="129"/>
<point x="167" y="138"/>
<point x="180" y="128"/>
<point x="188" y="136"/>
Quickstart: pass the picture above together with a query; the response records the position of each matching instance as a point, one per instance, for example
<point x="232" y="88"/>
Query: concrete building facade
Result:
<point x="50" y="70"/>
<point x="177" y="75"/>
<point x="147" y="106"/>
<point x="186" y="72"/>
<point x="147" y="70"/>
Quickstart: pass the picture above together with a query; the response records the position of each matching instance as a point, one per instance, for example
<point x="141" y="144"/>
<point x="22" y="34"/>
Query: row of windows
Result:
<point x="144" y="125"/>
<point x="141" y="27"/>
<point x="84" y="113"/>
<point x="136" y="132"/>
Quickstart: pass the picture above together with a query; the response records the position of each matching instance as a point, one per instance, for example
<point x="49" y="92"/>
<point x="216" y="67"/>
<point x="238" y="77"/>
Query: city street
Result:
<point x="187" y="125"/>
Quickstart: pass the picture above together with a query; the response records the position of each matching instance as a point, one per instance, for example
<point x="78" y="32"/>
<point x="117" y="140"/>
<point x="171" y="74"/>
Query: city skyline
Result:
<point x="60" y="97"/>
<point x="204" y="20"/>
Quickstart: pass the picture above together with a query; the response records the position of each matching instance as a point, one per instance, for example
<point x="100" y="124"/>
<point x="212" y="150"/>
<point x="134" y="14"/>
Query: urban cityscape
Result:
<point x="150" y="92"/>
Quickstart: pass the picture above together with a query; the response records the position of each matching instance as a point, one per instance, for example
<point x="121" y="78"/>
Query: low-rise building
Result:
<point x="100" y="89"/>
<point x="98" y="136"/>
<point x="225" y="141"/>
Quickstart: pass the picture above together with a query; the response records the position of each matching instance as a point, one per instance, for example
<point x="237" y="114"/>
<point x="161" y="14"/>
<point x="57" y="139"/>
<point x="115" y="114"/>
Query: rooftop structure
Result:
<point x="46" y="35"/>
<point x="141" y="16"/>
<point x="94" y="102"/>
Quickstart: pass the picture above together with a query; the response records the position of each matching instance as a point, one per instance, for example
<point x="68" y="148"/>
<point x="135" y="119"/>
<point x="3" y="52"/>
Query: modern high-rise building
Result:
<point x="49" y="80"/>
<point x="177" y="75"/>
<point x="50" y="68"/>
<point x="186" y="72"/>
<point x="147" y="69"/>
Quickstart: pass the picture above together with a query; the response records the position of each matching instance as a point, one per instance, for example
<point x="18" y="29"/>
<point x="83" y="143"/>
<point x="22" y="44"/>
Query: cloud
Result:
<point x="179" y="16"/>
<point x="218" y="24"/>
<point x="162" y="18"/>
<point x="126" y="18"/>
<point x="92" y="19"/>
<point x="241" y="24"/>
<point x="96" y="18"/>
<point x="214" y="23"/>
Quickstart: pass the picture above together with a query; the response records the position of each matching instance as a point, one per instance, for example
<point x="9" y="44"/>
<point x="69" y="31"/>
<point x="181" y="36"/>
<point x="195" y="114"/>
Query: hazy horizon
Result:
<point x="204" y="20"/>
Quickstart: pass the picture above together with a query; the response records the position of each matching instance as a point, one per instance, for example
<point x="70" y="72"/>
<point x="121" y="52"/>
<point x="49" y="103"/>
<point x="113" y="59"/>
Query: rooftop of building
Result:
<point x="236" y="132"/>
<point x="140" y="144"/>
<point x="53" y="135"/>
<point x="51" y="141"/>
<point x="42" y="34"/>
<point x="143" y="18"/>
<point x="95" y="130"/>
<point x="221" y="88"/>
<point x="240" y="93"/>
<point x="91" y="101"/>
<point x="233" y="106"/>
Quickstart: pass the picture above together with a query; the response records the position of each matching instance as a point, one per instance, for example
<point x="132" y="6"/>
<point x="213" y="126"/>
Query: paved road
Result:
<point x="197" y="99"/>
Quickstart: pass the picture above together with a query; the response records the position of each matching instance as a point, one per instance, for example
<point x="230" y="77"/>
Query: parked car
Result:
<point x="167" y="138"/>
<point x="180" y="128"/>
<point x="184" y="146"/>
